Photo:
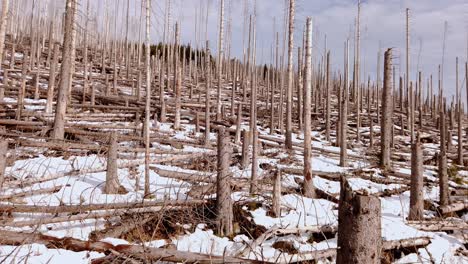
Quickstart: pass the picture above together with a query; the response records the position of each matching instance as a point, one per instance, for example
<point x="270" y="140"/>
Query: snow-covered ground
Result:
<point x="297" y="211"/>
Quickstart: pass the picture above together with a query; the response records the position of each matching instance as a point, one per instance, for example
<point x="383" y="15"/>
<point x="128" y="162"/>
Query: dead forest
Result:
<point x="116" y="147"/>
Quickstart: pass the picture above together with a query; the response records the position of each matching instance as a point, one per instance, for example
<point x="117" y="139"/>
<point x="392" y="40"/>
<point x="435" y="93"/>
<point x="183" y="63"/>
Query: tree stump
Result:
<point x="223" y="190"/>
<point x="112" y="180"/>
<point x="416" y="193"/>
<point x="359" y="230"/>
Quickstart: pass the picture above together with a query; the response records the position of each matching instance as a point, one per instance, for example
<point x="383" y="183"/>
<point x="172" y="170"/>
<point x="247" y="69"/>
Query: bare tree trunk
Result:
<point x="220" y="59"/>
<point x="148" y="98"/>
<point x="207" y="94"/>
<point x="223" y="192"/>
<point x="3" y="25"/>
<point x="344" y="110"/>
<point x="309" y="190"/>
<point x="3" y="156"/>
<point x="245" y="148"/>
<point x="177" y="79"/>
<point x="387" y="112"/>
<point x="22" y="89"/>
<point x="460" y="116"/>
<point x="416" y="194"/>
<point x="288" y="142"/>
<point x="300" y="88"/>
<point x="359" y="228"/>
<point x="357" y="73"/>
<point x="85" y="55"/>
<point x="66" y="74"/>
<point x="443" y="176"/>
<point x="112" y="179"/>
<point x="328" y="99"/>
<point x="276" y="203"/>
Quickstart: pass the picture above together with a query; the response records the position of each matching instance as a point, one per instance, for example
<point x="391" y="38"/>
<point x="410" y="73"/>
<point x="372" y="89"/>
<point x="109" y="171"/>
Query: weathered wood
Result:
<point x="276" y="201"/>
<point x="454" y="207"/>
<point x="138" y="252"/>
<point x="65" y="71"/>
<point x="112" y="185"/>
<point x="3" y="157"/>
<point x="223" y="188"/>
<point x="387" y="113"/>
<point x="359" y="229"/>
<point x="309" y="190"/>
<point x="416" y="193"/>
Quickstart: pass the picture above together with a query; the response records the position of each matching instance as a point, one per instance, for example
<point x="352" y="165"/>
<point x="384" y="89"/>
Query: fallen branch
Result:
<point x="138" y="252"/>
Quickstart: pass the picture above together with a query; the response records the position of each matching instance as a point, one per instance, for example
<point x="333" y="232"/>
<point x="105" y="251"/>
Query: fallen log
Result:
<point x="454" y="207"/>
<point x="138" y="252"/>
<point x="80" y="208"/>
<point x="386" y="246"/>
<point x="91" y="215"/>
<point x="30" y="192"/>
<point x="442" y="225"/>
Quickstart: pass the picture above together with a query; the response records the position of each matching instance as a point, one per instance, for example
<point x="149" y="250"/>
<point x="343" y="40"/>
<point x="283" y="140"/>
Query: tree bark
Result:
<point x="66" y="74"/>
<point x="443" y="175"/>
<point x="148" y="98"/>
<point x="344" y="111"/>
<point x="3" y="25"/>
<point x="3" y="156"/>
<point x="223" y="191"/>
<point x="416" y="193"/>
<point x="112" y="179"/>
<point x="359" y="228"/>
<point x="288" y="142"/>
<point x="387" y="112"/>
<point x="309" y="190"/>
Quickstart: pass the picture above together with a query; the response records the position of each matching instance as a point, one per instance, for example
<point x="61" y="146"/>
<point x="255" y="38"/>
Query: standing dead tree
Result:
<point x="177" y="79"/>
<point x="223" y="192"/>
<point x="344" y="110"/>
<point x="443" y="175"/>
<point x="309" y="190"/>
<point x="65" y="71"/>
<point x="3" y="25"/>
<point x="416" y="194"/>
<point x="207" y="93"/>
<point x="148" y="97"/>
<point x="220" y="60"/>
<point x="387" y="113"/>
<point x="289" y="93"/>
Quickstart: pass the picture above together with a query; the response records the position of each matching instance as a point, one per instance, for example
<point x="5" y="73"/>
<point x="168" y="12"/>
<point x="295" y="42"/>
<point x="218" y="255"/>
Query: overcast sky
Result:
<point x="383" y="25"/>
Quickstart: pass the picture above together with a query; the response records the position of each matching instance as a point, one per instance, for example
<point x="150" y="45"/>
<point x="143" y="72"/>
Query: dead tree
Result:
<point x="288" y="142"/>
<point x="3" y="25"/>
<point x="148" y="98"/>
<point x="359" y="229"/>
<point x="357" y="73"/>
<point x="220" y="54"/>
<point x="416" y="193"/>
<point x="52" y="77"/>
<point x="460" y="117"/>
<point x="328" y="110"/>
<point x="177" y="79"/>
<point x="387" y="112"/>
<point x="276" y="203"/>
<point x="3" y="156"/>
<point x="65" y="71"/>
<point x="207" y="94"/>
<point x="344" y="111"/>
<point x="223" y="191"/>
<point x="112" y="179"/>
<point x="443" y="175"/>
<point x="309" y="190"/>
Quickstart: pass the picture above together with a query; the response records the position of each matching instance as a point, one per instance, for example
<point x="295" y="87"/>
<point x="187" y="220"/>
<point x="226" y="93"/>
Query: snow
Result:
<point x="297" y="211"/>
<point x="35" y="253"/>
